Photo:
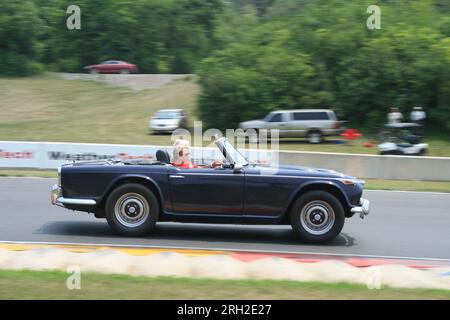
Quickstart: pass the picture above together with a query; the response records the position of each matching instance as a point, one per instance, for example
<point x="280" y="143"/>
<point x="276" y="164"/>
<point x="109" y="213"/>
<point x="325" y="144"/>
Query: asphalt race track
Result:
<point x="400" y="224"/>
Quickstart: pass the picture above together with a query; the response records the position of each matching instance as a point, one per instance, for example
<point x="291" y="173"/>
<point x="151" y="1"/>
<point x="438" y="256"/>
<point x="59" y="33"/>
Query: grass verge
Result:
<point x="371" y="184"/>
<point x="52" y="285"/>
<point x="29" y="173"/>
<point x="408" y="185"/>
<point x="48" y="108"/>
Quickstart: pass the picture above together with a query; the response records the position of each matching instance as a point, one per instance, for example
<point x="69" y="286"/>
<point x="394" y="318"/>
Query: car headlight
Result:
<point x="353" y="182"/>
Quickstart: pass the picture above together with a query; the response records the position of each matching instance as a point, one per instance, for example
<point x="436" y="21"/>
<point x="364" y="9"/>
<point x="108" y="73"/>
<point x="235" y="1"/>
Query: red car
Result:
<point x="112" y="66"/>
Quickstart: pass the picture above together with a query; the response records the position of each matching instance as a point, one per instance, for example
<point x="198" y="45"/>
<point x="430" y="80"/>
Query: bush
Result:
<point x="20" y="27"/>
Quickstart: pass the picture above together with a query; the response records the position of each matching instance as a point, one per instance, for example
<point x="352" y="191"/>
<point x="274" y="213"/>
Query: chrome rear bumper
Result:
<point x="363" y="209"/>
<point x="57" y="199"/>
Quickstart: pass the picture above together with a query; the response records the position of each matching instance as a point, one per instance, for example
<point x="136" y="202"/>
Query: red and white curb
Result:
<point x="399" y="272"/>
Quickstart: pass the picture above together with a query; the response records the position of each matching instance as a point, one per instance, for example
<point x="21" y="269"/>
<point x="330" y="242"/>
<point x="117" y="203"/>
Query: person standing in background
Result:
<point x="418" y="115"/>
<point x="394" y="116"/>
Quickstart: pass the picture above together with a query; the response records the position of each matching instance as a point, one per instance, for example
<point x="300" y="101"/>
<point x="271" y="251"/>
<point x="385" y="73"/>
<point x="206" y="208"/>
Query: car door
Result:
<point x="114" y="67"/>
<point x="267" y="194"/>
<point x="279" y="121"/>
<point x="105" y="67"/>
<point x="206" y="191"/>
<point x="298" y="125"/>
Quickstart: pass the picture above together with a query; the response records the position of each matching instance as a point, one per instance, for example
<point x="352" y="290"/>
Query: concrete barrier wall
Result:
<point x="51" y="155"/>
<point x="374" y="166"/>
<point x="46" y="155"/>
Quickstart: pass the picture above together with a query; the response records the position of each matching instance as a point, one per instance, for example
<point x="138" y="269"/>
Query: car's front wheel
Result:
<point x="317" y="217"/>
<point x="132" y="210"/>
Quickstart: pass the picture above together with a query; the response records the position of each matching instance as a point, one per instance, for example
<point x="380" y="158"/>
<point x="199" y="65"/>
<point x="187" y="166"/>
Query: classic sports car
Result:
<point x="134" y="195"/>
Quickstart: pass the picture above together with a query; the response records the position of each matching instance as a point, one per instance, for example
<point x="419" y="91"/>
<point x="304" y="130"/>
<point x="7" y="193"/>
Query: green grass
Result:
<point x="48" y="108"/>
<point x="52" y="285"/>
<point x="408" y="185"/>
<point x="371" y="184"/>
<point x="28" y="173"/>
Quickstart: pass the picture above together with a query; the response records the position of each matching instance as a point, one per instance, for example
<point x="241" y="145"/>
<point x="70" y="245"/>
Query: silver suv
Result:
<point x="313" y="124"/>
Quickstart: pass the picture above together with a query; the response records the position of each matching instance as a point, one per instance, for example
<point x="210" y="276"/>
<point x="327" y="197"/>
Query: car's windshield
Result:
<point x="167" y="115"/>
<point x="268" y="117"/>
<point x="232" y="152"/>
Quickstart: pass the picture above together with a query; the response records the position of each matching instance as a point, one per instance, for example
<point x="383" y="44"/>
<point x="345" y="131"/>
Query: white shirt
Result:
<point x="395" y="117"/>
<point x="418" y="115"/>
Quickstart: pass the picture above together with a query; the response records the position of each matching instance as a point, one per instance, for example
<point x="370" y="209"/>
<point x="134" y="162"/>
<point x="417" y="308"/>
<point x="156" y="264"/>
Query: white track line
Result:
<point x="226" y="249"/>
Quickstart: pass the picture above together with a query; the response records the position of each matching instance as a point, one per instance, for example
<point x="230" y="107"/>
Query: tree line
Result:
<point x="160" y="36"/>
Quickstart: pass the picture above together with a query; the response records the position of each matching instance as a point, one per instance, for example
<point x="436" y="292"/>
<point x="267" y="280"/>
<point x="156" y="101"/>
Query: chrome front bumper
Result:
<point x="58" y="200"/>
<point x="363" y="209"/>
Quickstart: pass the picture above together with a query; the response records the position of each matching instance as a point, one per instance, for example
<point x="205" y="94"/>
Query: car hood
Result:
<point x="288" y="170"/>
<point x="254" y="124"/>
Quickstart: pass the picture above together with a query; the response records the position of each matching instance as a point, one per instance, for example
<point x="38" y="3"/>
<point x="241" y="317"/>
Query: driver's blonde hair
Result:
<point x="179" y="146"/>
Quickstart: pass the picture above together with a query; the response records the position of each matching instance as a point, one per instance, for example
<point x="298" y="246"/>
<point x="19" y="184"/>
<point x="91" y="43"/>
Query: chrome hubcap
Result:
<point x="317" y="217"/>
<point x="131" y="210"/>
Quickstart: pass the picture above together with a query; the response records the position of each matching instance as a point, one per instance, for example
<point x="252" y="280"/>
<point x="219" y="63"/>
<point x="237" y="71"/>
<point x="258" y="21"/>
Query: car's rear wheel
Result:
<point x="317" y="217"/>
<point x="132" y="210"/>
<point x="314" y="136"/>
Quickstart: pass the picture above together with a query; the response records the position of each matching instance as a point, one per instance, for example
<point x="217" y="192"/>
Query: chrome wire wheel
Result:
<point x="131" y="210"/>
<point x="317" y="217"/>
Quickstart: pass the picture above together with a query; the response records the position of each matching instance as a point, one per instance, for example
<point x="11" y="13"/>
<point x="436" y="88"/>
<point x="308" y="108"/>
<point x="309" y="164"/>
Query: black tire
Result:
<point x="313" y="204"/>
<point x="93" y="71"/>
<point x="314" y="137"/>
<point x="125" y="220"/>
<point x="124" y="71"/>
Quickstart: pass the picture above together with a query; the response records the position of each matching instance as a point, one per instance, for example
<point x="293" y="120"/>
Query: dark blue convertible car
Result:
<point x="134" y="195"/>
